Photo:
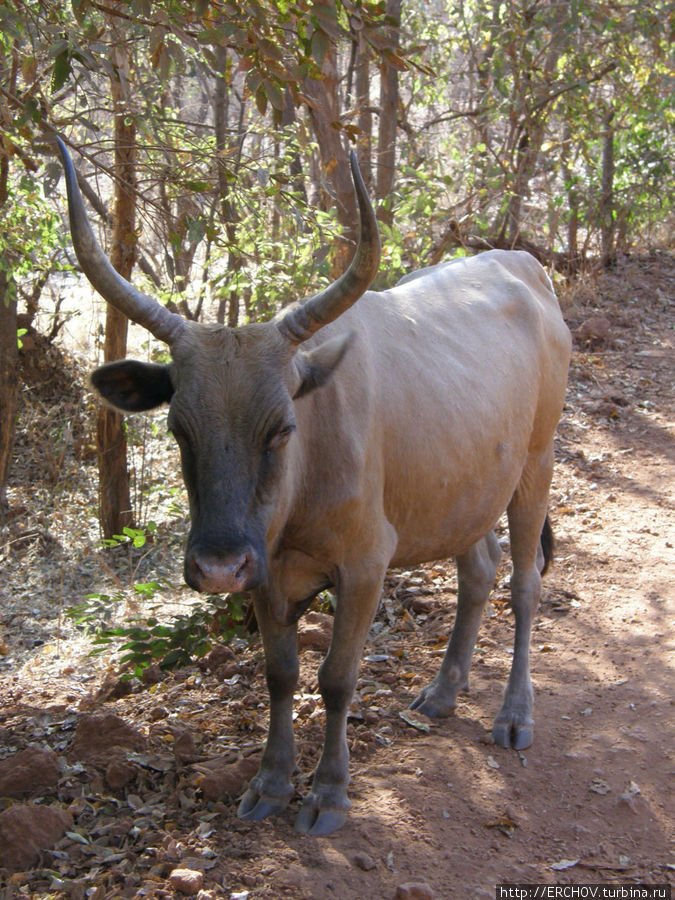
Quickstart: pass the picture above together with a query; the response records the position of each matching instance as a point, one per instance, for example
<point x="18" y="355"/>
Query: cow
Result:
<point x="353" y="432"/>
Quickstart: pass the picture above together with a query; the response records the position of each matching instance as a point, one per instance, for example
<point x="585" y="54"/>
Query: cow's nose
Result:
<point x="212" y="574"/>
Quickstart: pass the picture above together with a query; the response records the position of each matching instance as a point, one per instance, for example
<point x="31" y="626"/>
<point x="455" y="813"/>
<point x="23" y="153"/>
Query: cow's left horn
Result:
<point x="301" y="321"/>
<point x="165" y="325"/>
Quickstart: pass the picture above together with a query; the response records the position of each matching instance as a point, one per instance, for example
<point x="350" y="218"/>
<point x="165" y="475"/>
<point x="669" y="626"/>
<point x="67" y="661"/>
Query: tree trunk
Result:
<point x="9" y="351"/>
<point x="526" y="156"/>
<point x="364" y="116"/>
<point x="288" y="119"/>
<point x="324" y="113"/>
<point x="573" y="201"/>
<point x="9" y="384"/>
<point x="607" y="195"/>
<point x="229" y="305"/>
<point x="535" y="103"/>
<point x="115" y="510"/>
<point x="386" y="142"/>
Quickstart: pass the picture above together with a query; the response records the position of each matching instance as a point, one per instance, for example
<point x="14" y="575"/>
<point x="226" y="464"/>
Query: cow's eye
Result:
<point x="280" y="437"/>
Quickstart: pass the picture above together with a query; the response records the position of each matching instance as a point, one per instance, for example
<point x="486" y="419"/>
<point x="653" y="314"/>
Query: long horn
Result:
<point x="165" y="325"/>
<point x="301" y="321"/>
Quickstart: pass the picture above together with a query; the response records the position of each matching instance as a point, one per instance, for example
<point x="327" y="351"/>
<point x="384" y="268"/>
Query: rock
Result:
<point x="293" y="876"/>
<point x="631" y="799"/>
<point x="229" y="670"/>
<point x="219" y="656"/>
<point x="97" y="735"/>
<point x="184" y="747"/>
<point x="315" y="631"/>
<point x="413" y="890"/>
<point x="422" y="605"/>
<point x="364" y="862"/>
<point x="307" y="708"/>
<point x="217" y="779"/>
<point x="594" y="330"/>
<point x="606" y="408"/>
<point x="113" y="688"/>
<point x="118" y="774"/>
<point x="151" y="674"/>
<point x="27" y="830"/>
<point x="28" y="773"/>
<point x="187" y="881"/>
<point x="370" y="717"/>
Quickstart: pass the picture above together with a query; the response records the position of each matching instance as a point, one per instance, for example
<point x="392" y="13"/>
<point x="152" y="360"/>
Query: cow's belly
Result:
<point x="438" y="513"/>
<point x="426" y="539"/>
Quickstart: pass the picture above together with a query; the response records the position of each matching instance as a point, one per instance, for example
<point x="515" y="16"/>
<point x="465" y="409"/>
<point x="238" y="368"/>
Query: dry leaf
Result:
<point x="564" y="864"/>
<point x="415" y="723"/>
<point x="503" y="823"/>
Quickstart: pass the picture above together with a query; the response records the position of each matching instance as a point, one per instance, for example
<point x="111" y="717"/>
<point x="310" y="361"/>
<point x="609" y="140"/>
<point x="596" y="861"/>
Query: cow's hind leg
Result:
<point x="271" y="789"/>
<point x="476" y="571"/>
<point x="514" y="725"/>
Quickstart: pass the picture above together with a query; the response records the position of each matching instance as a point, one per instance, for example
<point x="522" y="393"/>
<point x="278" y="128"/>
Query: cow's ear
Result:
<point x="315" y="367"/>
<point x="133" y="386"/>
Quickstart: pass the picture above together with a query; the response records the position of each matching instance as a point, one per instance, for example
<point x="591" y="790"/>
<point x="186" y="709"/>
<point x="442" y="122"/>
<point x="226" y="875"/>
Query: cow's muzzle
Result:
<point x="213" y="573"/>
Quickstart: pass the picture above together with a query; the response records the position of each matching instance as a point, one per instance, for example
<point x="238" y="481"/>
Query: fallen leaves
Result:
<point x="415" y="722"/>
<point x="564" y="864"/>
<point x="503" y="823"/>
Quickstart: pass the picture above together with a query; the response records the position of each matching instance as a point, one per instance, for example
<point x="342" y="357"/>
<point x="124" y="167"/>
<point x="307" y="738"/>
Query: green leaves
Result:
<point x="30" y="232"/>
<point x="178" y="642"/>
<point x="61" y="71"/>
<point x="136" y="537"/>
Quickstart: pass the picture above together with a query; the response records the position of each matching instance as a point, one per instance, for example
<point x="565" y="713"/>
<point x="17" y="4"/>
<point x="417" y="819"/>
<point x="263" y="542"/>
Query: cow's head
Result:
<point x="230" y="393"/>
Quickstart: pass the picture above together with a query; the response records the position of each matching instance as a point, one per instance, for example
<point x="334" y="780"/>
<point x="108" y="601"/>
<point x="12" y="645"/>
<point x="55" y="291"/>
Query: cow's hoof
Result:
<point x="318" y="823"/>
<point x="256" y="804"/>
<point x="435" y="703"/>
<point x="318" y="820"/>
<point x="253" y="808"/>
<point x="513" y="736"/>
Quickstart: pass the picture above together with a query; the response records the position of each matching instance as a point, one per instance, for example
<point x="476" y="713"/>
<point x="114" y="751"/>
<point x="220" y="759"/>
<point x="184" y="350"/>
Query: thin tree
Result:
<point x="324" y="113"/>
<point x="115" y="510"/>
<point x="386" y="141"/>
<point x="9" y="355"/>
<point x="607" y="191"/>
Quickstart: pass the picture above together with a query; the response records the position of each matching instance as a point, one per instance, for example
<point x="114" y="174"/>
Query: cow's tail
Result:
<point x="547" y="544"/>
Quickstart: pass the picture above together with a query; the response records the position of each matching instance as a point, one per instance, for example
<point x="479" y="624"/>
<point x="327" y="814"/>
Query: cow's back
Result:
<point x="454" y="375"/>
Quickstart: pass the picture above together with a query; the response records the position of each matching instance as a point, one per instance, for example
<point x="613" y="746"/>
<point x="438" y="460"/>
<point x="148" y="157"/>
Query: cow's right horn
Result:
<point x="165" y="325"/>
<point x="300" y="321"/>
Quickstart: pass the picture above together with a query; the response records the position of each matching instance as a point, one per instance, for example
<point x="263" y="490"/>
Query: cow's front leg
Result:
<point x="271" y="789"/>
<point x="325" y="807"/>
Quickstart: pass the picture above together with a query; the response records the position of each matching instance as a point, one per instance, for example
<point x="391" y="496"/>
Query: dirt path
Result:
<point x="590" y="801"/>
